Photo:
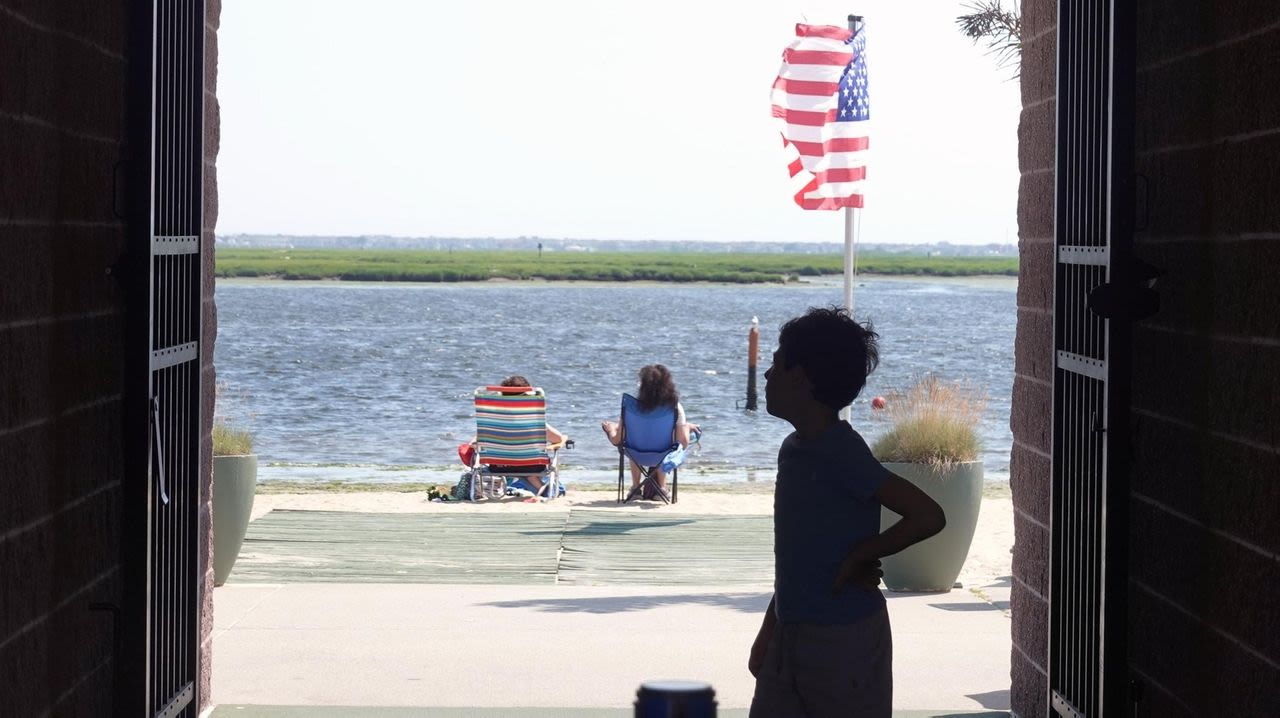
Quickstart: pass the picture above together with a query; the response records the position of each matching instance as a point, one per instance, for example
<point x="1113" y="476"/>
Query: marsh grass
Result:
<point x="933" y="423"/>
<point x="409" y="265"/>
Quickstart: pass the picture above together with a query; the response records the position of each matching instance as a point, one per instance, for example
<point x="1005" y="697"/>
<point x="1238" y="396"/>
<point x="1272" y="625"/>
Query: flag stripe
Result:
<point x="804" y="117"/>
<point x="811" y="73"/>
<point x="835" y="130"/>
<point x="838" y="144"/>
<point x="830" y="32"/>
<point x="841" y="174"/>
<point x="813" y="197"/>
<point x="807" y="87"/>
<point x="811" y="103"/>
<point x="853" y="200"/>
<point x="835" y="161"/>
<point x="840" y="189"/>
<point x="815" y="57"/>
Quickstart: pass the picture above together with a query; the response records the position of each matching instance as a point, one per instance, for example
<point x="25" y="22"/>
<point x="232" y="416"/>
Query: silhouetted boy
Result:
<point x="824" y="648"/>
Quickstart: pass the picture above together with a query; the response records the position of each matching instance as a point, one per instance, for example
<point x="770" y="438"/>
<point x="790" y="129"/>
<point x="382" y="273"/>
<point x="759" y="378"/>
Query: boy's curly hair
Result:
<point x="835" y="351"/>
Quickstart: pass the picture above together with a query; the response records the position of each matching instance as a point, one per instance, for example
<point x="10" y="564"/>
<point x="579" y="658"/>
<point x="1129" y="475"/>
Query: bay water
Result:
<point x="373" y="382"/>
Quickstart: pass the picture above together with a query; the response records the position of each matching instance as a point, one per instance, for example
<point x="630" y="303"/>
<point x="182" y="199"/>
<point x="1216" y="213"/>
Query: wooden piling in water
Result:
<point x="753" y="348"/>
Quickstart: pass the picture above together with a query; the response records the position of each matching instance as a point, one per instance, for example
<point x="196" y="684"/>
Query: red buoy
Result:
<point x="877" y="403"/>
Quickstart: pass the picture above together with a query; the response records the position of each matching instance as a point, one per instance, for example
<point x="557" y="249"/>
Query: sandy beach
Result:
<point x="989" y="558"/>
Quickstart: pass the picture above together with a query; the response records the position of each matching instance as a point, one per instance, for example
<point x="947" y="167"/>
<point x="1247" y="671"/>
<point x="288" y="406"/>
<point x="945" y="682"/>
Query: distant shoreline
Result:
<point x="436" y="266"/>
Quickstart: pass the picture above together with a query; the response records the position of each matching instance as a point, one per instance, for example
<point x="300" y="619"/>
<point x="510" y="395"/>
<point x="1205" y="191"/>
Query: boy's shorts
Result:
<point x="814" y="671"/>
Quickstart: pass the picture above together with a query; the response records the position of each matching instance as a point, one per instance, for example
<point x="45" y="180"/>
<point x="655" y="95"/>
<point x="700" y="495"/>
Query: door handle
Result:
<point x="1130" y="300"/>
<point x="159" y="449"/>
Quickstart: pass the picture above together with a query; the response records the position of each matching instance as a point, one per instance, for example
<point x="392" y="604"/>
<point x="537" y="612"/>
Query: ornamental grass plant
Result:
<point x="231" y="441"/>
<point x="933" y="423"/>
<point x="229" y="438"/>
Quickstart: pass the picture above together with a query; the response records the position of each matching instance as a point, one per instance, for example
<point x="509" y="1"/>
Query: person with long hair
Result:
<point x="657" y="389"/>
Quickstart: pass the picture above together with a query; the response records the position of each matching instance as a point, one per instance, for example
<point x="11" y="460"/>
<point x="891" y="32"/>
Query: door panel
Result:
<point x="159" y="669"/>
<point x="1093" y="237"/>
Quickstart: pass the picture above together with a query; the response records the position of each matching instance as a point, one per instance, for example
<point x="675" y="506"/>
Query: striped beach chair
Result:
<point x="511" y="438"/>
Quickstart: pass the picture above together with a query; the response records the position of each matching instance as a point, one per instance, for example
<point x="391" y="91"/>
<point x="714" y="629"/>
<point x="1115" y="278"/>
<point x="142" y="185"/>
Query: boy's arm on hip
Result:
<point x="922" y="517"/>
<point x="770" y="618"/>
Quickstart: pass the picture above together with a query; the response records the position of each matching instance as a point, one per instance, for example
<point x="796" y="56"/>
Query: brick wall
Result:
<point x="213" y="12"/>
<point x="62" y="73"/>
<point x="1033" y="361"/>
<point x="1205" y="623"/>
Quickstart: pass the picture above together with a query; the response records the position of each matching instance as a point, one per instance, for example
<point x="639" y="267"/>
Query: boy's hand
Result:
<point x="858" y="570"/>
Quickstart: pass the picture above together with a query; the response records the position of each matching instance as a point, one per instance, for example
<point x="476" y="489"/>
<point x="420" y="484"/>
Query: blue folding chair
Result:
<point x="649" y="439"/>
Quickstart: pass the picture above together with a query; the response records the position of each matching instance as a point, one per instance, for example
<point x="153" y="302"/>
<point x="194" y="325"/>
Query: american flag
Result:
<point x="821" y="98"/>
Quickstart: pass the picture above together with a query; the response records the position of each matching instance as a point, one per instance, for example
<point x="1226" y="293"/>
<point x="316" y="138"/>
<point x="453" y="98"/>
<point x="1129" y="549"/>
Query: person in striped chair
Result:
<point x="555" y="438"/>
<point x="515" y="381"/>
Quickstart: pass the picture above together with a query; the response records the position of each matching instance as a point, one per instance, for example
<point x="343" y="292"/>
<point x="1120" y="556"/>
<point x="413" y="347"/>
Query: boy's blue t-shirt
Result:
<point x="824" y="503"/>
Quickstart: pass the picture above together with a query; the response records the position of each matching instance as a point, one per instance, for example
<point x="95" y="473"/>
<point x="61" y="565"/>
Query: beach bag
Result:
<point x="462" y="490"/>
<point x="489" y="487"/>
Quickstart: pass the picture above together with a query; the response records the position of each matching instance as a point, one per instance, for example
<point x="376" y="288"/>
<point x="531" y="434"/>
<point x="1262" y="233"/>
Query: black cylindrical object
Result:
<point x="675" y="699"/>
<point x="753" y="348"/>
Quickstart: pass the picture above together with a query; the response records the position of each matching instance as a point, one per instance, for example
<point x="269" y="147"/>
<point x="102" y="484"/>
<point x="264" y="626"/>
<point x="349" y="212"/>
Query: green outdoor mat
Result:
<point x="611" y="547"/>
<point x="354" y="547"/>
<point x="600" y="546"/>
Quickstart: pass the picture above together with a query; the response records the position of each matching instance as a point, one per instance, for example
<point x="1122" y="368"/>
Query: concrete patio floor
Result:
<point x="407" y="647"/>
<point x="550" y="613"/>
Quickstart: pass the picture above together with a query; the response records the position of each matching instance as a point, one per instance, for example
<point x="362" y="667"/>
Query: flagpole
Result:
<point x="850" y="238"/>
<point x="850" y="233"/>
<point x="850" y="247"/>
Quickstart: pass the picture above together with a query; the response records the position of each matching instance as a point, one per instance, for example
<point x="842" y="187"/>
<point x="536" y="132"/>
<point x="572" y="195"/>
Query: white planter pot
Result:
<point x="934" y="564"/>
<point x="234" y="481"/>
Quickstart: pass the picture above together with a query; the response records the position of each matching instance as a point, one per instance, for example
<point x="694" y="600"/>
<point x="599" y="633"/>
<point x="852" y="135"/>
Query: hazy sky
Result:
<point x="592" y="119"/>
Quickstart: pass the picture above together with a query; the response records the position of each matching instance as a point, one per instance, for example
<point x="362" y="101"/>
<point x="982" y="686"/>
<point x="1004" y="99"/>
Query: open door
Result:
<point x="157" y="669"/>
<point x="1094" y="300"/>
